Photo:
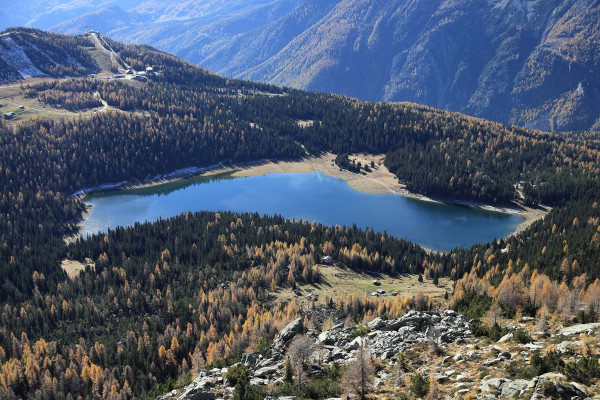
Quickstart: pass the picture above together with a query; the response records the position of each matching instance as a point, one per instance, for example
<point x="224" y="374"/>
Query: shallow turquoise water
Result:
<point x="310" y="196"/>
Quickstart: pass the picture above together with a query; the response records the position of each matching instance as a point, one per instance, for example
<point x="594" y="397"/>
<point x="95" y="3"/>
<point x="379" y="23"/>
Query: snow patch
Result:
<point x="14" y="56"/>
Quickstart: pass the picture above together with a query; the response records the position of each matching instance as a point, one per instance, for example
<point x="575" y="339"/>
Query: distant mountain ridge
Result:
<point x="529" y="63"/>
<point x="532" y="63"/>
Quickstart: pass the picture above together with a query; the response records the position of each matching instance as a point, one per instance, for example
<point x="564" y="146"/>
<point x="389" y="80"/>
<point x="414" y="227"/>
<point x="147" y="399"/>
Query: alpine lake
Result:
<point x="311" y="196"/>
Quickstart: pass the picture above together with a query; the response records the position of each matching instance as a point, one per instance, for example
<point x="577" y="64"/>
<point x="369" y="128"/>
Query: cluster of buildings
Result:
<point x="130" y="73"/>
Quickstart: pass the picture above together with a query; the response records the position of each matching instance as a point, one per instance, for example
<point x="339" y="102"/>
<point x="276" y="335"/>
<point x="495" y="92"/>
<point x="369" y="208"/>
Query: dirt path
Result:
<point x="105" y="106"/>
<point x="372" y="180"/>
<point x="114" y="58"/>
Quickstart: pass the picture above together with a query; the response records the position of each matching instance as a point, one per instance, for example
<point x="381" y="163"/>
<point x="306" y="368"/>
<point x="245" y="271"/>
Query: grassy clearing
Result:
<point x="339" y="281"/>
<point x="12" y="99"/>
<point x="73" y="268"/>
<point x="102" y="59"/>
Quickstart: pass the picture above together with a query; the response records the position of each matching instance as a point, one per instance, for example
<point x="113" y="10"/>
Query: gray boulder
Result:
<point x="377" y="323"/>
<point x="288" y="333"/>
<point x="266" y="371"/>
<point x="493" y="384"/>
<point x="579" y="329"/>
<point x="199" y="389"/>
<point x="326" y="338"/>
<point x="515" y="388"/>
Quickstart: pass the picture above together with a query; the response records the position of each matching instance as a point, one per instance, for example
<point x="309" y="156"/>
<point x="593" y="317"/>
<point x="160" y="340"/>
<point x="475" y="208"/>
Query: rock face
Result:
<point x="386" y="339"/>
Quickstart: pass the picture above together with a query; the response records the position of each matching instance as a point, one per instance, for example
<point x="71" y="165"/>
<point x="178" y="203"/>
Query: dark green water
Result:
<point x="309" y="196"/>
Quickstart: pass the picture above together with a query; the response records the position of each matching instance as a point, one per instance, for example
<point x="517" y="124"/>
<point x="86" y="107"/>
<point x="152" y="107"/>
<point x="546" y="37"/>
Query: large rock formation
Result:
<point x="338" y="344"/>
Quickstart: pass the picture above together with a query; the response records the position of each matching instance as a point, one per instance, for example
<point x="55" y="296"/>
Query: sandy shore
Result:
<point x="380" y="180"/>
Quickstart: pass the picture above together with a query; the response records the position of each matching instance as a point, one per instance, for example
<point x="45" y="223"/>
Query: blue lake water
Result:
<point x="310" y="196"/>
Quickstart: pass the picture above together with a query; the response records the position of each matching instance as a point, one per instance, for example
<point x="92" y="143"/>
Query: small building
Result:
<point x="381" y="291"/>
<point x="21" y="107"/>
<point x="129" y="72"/>
<point x="395" y="293"/>
<point x="140" y="78"/>
<point x="149" y="70"/>
<point x="327" y="260"/>
<point x="297" y="292"/>
<point x="9" y="115"/>
<point x="118" y="76"/>
<point x="376" y="283"/>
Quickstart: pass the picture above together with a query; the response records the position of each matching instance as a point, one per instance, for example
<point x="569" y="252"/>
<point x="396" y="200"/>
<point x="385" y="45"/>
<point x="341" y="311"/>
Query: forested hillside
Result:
<point x="530" y="63"/>
<point x="165" y="298"/>
<point x="26" y="53"/>
<point x="187" y="116"/>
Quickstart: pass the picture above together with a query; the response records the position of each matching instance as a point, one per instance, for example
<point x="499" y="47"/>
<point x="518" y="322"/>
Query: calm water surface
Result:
<point x="309" y="196"/>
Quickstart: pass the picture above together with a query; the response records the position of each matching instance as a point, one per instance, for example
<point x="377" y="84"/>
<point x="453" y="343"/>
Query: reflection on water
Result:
<point x="310" y="196"/>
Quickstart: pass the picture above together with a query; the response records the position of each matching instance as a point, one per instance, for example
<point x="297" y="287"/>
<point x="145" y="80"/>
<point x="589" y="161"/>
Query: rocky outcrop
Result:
<point x="579" y="329"/>
<point x="201" y="388"/>
<point x="550" y="385"/>
<point x="458" y="361"/>
<point x="288" y="333"/>
<point x="386" y="338"/>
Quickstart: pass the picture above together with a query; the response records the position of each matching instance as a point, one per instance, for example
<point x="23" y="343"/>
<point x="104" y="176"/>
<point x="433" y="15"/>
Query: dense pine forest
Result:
<point x="170" y="297"/>
<point x="166" y="298"/>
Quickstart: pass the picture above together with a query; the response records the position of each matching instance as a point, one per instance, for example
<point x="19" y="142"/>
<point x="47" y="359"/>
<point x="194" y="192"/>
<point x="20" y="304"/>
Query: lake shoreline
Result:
<point x="380" y="181"/>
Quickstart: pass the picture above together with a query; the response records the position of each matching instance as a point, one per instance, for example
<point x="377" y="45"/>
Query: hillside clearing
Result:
<point x="73" y="267"/>
<point x="338" y="280"/>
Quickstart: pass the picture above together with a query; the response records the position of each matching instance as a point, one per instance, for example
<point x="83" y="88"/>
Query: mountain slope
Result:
<point x="532" y="63"/>
<point x="161" y="301"/>
<point x="30" y="53"/>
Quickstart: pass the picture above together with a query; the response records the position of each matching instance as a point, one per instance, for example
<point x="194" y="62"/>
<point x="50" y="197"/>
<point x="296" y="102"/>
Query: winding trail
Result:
<point x="105" y="105"/>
